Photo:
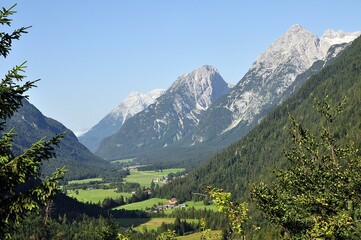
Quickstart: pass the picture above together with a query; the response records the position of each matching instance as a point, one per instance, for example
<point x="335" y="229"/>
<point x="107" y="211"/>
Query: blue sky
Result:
<point x="91" y="54"/>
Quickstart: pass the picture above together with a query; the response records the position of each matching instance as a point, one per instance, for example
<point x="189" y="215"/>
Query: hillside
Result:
<point x="255" y="156"/>
<point x="30" y="125"/>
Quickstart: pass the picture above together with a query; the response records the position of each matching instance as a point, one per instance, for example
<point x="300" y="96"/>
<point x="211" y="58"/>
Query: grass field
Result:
<point x="200" y="205"/>
<point x="154" y="223"/>
<point x="96" y="195"/>
<point x="196" y="205"/>
<point x="123" y="160"/>
<point x="144" y="178"/>
<point x="83" y="181"/>
<point x="143" y="204"/>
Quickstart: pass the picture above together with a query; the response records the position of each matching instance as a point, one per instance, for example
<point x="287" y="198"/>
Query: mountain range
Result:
<point x="112" y="122"/>
<point x="195" y="117"/>
<point x="177" y="127"/>
<point x="253" y="158"/>
<point x="276" y="74"/>
<point x="170" y="117"/>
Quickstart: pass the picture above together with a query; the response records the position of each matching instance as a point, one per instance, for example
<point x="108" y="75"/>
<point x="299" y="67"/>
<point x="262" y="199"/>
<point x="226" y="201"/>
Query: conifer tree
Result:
<point x="319" y="195"/>
<point x="22" y="187"/>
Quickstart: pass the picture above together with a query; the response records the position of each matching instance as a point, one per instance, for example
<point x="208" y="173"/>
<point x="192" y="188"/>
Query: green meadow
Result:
<point x="144" y="178"/>
<point x="128" y="160"/>
<point x="96" y="195"/>
<point x="154" y="223"/>
<point x="200" y="205"/>
<point x="143" y="205"/>
<point x="84" y="181"/>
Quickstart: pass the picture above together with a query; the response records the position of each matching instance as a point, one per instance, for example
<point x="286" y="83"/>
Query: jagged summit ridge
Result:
<point x="200" y="86"/>
<point x="301" y="46"/>
<point x="272" y="73"/>
<point x="170" y="117"/>
<point x="268" y="80"/>
<point x="297" y="45"/>
<point x="276" y="69"/>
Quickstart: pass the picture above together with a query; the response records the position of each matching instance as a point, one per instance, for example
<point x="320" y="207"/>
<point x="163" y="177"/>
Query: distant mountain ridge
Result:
<point x="171" y="116"/>
<point x="113" y="121"/>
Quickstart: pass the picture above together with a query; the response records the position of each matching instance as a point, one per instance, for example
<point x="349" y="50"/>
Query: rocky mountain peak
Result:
<point x="295" y="29"/>
<point x="171" y="117"/>
<point x="205" y="70"/>
<point x="196" y="77"/>
<point x="297" y="45"/>
<point x="135" y="102"/>
<point x="201" y="86"/>
<point x="273" y="73"/>
<point x="113" y="121"/>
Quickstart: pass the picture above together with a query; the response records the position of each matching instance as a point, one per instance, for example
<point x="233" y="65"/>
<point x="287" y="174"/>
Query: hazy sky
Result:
<point x="91" y="54"/>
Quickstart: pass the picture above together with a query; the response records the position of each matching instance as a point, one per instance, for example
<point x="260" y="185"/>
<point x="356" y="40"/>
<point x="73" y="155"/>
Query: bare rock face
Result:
<point x="170" y="117"/>
<point x="289" y="61"/>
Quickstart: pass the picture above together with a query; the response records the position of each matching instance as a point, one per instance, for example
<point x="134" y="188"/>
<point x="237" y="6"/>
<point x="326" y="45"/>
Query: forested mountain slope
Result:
<point x="255" y="156"/>
<point x="30" y="125"/>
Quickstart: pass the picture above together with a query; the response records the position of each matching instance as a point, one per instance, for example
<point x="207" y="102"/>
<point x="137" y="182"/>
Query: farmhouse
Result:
<point x="149" y="191"/>
<point x="169" y="205"/>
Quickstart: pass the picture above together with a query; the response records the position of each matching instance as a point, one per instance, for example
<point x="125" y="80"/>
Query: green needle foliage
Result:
<point x="21" y="186"/>
<point x="6" y="39"/>
<point x="319" y="195"/>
